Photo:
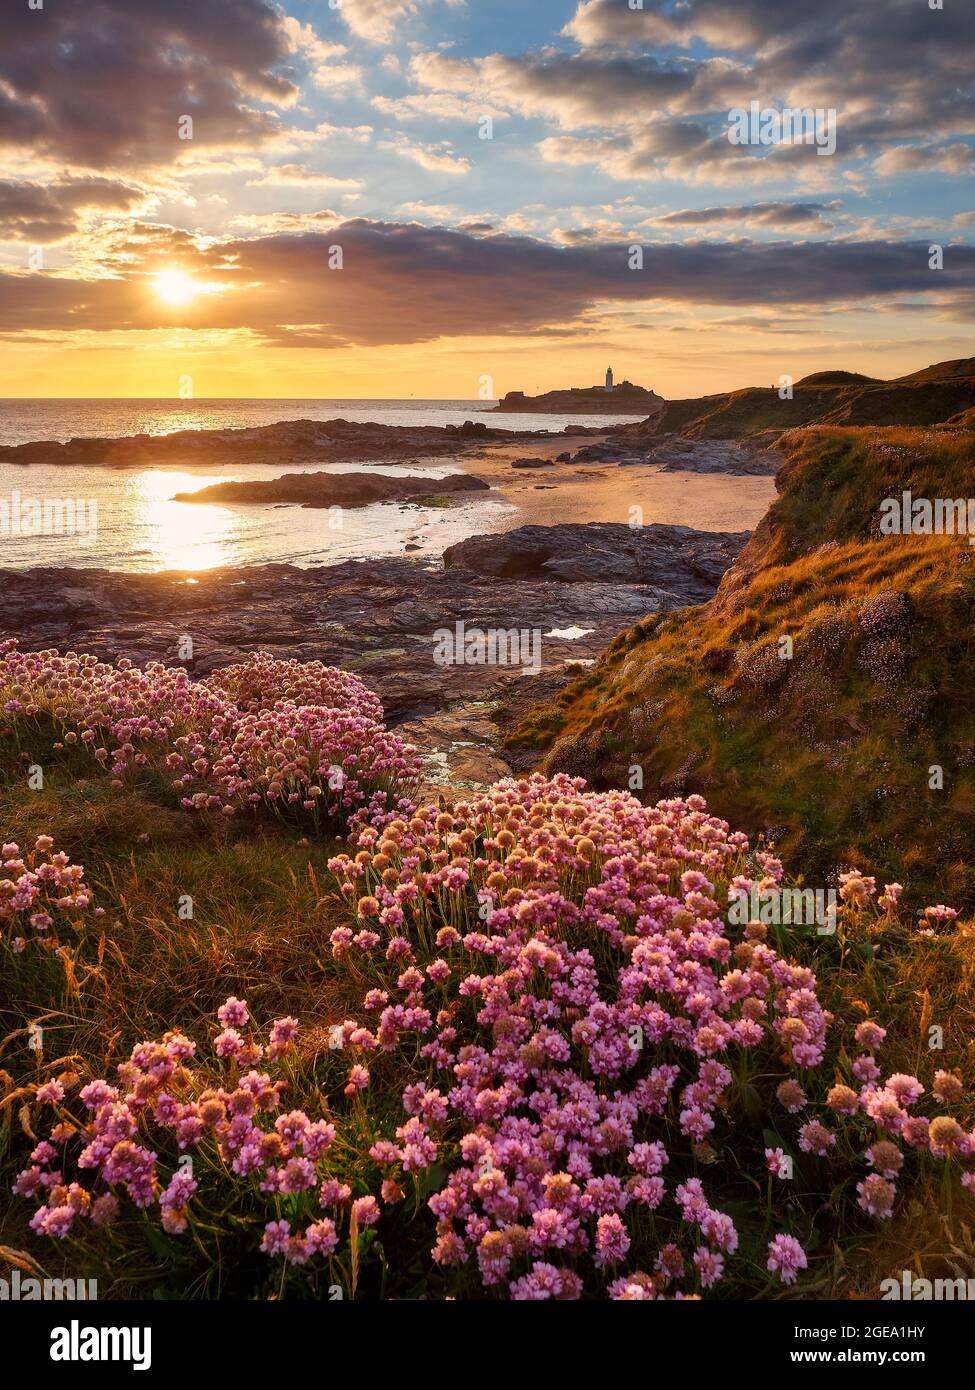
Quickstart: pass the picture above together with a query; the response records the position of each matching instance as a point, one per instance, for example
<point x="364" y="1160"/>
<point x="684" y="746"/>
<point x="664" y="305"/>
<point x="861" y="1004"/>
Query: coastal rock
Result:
<point x="674" y="454"/>
<point x="376" y="617"/>
<point x="676" y="559"/>
<point x="622" y="399"/>
<point x="289" y="441"/>
<point x="335" y="489"/>
<point x="533" y="463"/>
<point x="471" y="429"/>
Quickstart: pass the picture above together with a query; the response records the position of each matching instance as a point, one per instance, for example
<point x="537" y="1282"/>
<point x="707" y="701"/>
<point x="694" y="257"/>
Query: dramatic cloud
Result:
<point x="46" y="212"/>
<point x="576" y="90"/>
<point x="893" y="70"/>
<point x="92" y="93"/>
<point x="103" y="84"/>
<point x="404" y="283"/>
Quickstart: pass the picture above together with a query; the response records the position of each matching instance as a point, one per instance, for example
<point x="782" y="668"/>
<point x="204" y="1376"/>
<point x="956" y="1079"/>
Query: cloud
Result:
<point x="438" y="212"/>
<point x="892" y="70"/>
<point x="298" y="176"/>
<point x="438" y="106"/>
<point x="928" y="159"/>
<point x="304" y="40"/>
<point x="48" y="212"/>
<point x="795" y="215"/>
<point x="439" y="159"/>
<point x="684" y="151"/>
<point x="269" y="223"/>
<point x="576" y="90"/>
<point x="103" y="85"/>
<point x="379" y="21"/>
<point x="406" y="283"/>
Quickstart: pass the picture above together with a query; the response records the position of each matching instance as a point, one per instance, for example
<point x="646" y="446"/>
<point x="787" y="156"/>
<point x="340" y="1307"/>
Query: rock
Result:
<point x="682" y="562"/>
<point x="674" y="454"/>
<point x="379" y="617"/>
<point x="288" y="441"/>
<point x="532" y="463"/>
<point x="335" y="489"/>
<point x="623" y="399"/>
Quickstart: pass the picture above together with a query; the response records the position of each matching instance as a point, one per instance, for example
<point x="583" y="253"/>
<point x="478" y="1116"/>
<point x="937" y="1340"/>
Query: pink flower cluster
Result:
<point x="232" y="1132"/>
<point x="283" y="735"/>
<point x="578" y="1040"/>
<point x="550" y="947"/>
<point x="327" y="762"/>
<point x="39" y="891"/>
<point x="264" y="680"/>
<point x="858" y="891"/>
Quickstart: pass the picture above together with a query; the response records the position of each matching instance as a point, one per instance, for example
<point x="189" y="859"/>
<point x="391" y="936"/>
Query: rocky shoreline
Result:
<point x="344" y="441"/>
<point x="288" y="441"/>
<point x="575" y="587"/>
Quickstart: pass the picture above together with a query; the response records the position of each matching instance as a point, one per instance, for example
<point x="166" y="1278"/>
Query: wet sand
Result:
<point x="569" y="492"/>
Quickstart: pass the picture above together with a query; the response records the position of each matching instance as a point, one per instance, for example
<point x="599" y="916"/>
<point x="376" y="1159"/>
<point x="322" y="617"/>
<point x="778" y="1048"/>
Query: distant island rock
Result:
<point x="335" y="489"/>
<point x="622" y="398"/>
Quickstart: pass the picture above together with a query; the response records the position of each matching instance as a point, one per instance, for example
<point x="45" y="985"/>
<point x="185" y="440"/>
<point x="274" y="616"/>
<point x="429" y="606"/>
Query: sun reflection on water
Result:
<point x="183" y="535"/>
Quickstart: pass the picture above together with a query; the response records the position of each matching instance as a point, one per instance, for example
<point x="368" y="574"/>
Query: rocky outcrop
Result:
<point x="377" y="617"/>
<point x="533" y="463"/>
<point x="671" y="453"/>
<point x="290" y="441"/>
<point x="686" y="564"/>
<point x="335" y="489"/>
<point x="624" y="399"/>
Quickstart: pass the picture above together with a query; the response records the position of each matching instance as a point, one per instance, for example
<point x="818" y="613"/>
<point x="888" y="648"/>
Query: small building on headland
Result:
<point x="627" y="399"/>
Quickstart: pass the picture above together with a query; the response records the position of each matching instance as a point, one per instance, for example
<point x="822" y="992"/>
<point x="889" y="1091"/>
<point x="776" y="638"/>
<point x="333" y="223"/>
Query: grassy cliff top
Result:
<point x="829" y="748"/>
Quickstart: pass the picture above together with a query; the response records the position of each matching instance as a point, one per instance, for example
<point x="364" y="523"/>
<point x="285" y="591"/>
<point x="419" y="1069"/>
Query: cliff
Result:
<point x="829" y="741"/>
<point x="927" y="397"/>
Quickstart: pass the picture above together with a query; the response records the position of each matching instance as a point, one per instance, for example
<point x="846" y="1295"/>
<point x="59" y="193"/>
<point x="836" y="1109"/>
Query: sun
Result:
<point x="175" y="287"/>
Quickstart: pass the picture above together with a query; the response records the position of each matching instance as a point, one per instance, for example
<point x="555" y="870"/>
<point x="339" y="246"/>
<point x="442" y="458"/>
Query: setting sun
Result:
<point x="175" y="287"/>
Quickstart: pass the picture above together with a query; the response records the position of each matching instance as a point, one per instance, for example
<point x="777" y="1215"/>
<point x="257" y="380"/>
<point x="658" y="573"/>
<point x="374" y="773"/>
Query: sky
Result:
<point x="385" y="198"/>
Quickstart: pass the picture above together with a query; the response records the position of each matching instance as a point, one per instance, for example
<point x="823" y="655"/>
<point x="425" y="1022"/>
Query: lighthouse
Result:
<point x="609" y="379"/>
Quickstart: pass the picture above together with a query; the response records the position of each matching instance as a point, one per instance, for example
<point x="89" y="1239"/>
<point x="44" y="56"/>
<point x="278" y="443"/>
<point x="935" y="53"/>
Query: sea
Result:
<point x="127" y="519"/>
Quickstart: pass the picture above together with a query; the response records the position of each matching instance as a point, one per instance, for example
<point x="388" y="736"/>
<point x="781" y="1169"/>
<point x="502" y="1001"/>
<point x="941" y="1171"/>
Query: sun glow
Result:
<point x="175" y="287"/>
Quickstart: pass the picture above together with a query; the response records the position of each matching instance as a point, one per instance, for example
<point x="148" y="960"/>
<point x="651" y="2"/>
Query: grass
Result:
<point x="830" y="750"/>
<point x="824" y="398"/>
<point x="441" y="500"/>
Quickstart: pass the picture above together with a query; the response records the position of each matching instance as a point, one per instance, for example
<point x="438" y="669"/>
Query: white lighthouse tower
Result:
<point x="609" y="379"/>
